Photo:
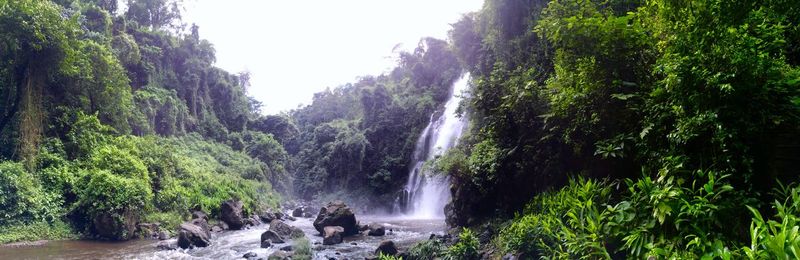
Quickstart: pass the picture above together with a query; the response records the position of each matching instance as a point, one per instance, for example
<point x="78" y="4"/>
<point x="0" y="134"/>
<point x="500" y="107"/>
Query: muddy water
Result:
<point x="234" y="244"/>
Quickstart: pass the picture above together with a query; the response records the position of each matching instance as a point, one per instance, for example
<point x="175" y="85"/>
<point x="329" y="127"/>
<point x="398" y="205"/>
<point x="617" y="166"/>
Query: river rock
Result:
<point x="267" y="217"/>
<point x="287" y="248"/>
<point x="231" y="213"/>
<point x="147" y="230"/>
<point x="223" y="226"/>
<point x="376" y="230"/>
<point x="193" y="235"/>
<point x="336" y="214"/>
<point x="216" y="229"/>
<point x="386" y="247"/>
<point x="298" y="212"/>
<point x="266" y="243"/>
<point x="166" y="245"/>
<point x="332" y="235"/>
<point x="280" y="255"/>
<point x="307" y="215"/>
<point x="285" y="230"/>
<point x="163" y="235"/>
<point x="290" y="218"/>
<point x="279" y="215"/>
<point x="111" y="226"/>
<point x="272" y="237"/>
<point x="250" y="255"/>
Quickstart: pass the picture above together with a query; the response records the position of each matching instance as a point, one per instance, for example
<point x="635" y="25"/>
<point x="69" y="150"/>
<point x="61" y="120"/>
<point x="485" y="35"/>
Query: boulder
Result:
<point x="223" y="226"/>
<point x="163" y="235"/>
<point x="192" y="235"/>
<point x="287" y="248"/>
<point x="272" y="237"/>
<point x="307" y="215"/>
<point x="267" y="217"/>
<point x="147" y="230"/>
<point x="279" y="215"/>
<point x="376" y="230"/>
<point x="332" y="235"/>
<point x="386" y="247"/>
<point x="285" y="230"/>
<point x="266" y="243"/>
<point x="231" y="213"/>
<point x="290" y="218"/>
<point x="298" y="212"/>
<point x="201" y="223"/>
<point x="109" y="226"/>
<point x="336" y="214"/>
<point x="216" y="229"/>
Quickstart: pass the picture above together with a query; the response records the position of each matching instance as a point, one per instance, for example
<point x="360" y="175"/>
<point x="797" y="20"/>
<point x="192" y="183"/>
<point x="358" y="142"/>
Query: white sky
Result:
<point x="296" y="48"/>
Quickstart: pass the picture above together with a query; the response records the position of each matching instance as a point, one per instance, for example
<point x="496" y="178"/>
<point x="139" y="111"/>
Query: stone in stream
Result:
<point x="163" y="235"/>
<point x="290" y="218"/>
<point x="250" y="255"/>
<point x="272" y="237"/>
<point x="386" y="247"/>
<point x="336" y="214"/>
<point x="376" y="230"/>
<point x="298" y="212"/>
<point x="267" y="217"/>
<point x="266" y="243"/>
<point x="307" y="215"/>
<point x="193" y="235"/>
<point x="231" y="213"/>
<point x="279" y="215"/>
<point x="280" y="255"/>
<point x="285" y="230"/>
<point x="287" y="248"/>
<point x="332" y="235"/>
<point x="166" y="245"/>
<point x="115" y="227"/>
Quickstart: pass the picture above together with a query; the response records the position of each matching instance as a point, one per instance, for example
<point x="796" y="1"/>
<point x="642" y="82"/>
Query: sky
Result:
<point x="294" y="49"/>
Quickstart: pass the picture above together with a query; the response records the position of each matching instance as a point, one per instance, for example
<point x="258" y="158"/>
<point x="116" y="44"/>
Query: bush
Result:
<point x="22" y="199"/>
<point x="428" y="249"/>
<point x="104" y="195"/>
<point x="776" y="238"/>
<point x="466" y="248"/>
<point x="302" y="249"/>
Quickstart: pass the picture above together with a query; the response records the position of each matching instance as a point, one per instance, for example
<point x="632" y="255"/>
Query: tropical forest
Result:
<point x="525" y="129"/>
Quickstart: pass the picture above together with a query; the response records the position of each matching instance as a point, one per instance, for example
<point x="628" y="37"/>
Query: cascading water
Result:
<point x="425" y="194"/>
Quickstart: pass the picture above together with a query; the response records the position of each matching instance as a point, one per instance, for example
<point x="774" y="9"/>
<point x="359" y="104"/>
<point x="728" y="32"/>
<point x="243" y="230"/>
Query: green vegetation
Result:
<point x="302" y="249"/>
<point x="466" y="248"/>
<point x="109" y="119"/>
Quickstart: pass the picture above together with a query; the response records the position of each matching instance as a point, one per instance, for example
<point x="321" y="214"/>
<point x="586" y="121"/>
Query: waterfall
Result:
<point x="425" y="195"/>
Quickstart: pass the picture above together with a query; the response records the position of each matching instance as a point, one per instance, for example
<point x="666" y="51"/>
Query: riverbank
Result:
<point x="12" y="235"/>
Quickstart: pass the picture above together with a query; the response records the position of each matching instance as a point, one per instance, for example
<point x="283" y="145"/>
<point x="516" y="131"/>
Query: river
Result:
<point x="234" y="244"/>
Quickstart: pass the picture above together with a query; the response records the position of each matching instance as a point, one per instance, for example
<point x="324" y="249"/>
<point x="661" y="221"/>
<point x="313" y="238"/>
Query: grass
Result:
<point x="36" y="231"/>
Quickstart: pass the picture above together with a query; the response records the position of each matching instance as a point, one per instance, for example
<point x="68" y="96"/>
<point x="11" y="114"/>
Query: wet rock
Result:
<point x="107" y="225"/>
<point x="216" y="229"/>
<point x="285" y="230"/>
<point x="307" y="215"/>
<point x="386" y="247"/>
<point x="290" y="218"/>
<point x="272" y="237"/>
<point x="252" y="221"/>
<point x="250" y="255"/>
<point x="163" y="235"/>
<point x="192" y="235"/>
<point x="336" y="214"/>
<point x="279" y="215"/>
<point x="266" y="243"/>
<point x="223" y="226"/>
<point x="376" y="230"/>
<point x="199" y="214"/>
<point x="231" y="213"/>
<point x="147" y="230"/>
<point x="280" y="255"/>
<point x="201" y="223"/>
<point x="266" y="217"/>
<point x="287" y="248"/>
<point x="166" y="245"/>
<point x="298" y="212"/>
<point x="332" y="235"/>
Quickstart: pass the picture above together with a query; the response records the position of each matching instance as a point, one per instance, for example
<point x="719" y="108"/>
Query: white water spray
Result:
<point x="427" y="194"/>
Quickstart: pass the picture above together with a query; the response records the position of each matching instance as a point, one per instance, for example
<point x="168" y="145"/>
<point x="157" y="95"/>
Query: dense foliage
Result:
<point x="687" y="109"/>
<point x="111" y="118"/>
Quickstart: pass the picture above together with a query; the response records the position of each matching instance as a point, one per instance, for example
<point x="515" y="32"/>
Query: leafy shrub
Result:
<point x="119" y="162"/>
<point x="302" y="249"/>
<point x="569" y="223"/>
<point x="466" y="248"/>
<point x="428" y="249"/>
<point x="22" y="199"/>
<point x="776" y="238"/>
<point x="382" y="256"/>
<point x="101" y="192"/>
